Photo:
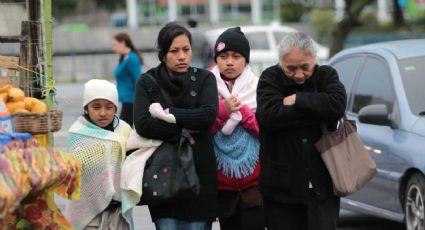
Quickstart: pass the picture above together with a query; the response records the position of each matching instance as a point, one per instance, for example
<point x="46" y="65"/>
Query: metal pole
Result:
<point x="172" y="10"/>
<point x="256" y="11"/>
<point x="152" y="13"/>
<point x="234" y="9"/>
<point x="132" y="13"/>
<point x="339" y="9"/>
<point x="276" y="10"/>
<point x="214" y="14"/>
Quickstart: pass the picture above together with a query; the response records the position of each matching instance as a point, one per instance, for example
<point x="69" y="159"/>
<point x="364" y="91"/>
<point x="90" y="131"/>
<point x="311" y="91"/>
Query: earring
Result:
<point x="117" y="119"/>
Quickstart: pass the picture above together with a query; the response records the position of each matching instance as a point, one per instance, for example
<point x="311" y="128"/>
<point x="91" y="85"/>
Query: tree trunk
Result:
<point x="343" y="28"/>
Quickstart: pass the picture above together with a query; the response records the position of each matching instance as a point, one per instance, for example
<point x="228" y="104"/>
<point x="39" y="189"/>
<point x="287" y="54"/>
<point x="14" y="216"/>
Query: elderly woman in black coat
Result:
<point x="194" y="94"/>
<point x="294" y="98"/>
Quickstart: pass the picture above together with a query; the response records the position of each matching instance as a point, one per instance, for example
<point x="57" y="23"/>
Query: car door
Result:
<point x="348" y="68"/>
<point x="374" y="86"/>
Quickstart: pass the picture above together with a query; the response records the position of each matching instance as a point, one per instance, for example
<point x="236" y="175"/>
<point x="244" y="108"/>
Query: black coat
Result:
<point x="195" y="107"/>
<point x="288" y="157"/>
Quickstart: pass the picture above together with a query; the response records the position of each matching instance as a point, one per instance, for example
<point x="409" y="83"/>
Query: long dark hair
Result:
<point x="125" y="37"/>
<point x="166" y="36"/>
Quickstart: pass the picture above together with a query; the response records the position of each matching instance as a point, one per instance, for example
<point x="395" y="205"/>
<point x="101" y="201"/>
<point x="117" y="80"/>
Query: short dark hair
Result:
<point x="166" y="36"/>
<point x="192" y="22"/>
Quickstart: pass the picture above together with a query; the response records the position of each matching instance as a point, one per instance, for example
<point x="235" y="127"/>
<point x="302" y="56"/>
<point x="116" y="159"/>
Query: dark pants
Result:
<point x="127" y="113"/>
<point x="175" y="224"/>
<point x="244" y="219"/>
<point x="317" y="215"/>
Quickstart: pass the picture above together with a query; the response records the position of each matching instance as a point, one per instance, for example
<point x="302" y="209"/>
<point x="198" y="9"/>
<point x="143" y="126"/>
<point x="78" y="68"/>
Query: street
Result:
<point x="69" y="99"/>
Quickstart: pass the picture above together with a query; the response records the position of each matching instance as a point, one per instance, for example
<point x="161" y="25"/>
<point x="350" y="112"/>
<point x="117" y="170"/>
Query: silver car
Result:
<point x="385" y="85"/>
<point x="264" y="42"/>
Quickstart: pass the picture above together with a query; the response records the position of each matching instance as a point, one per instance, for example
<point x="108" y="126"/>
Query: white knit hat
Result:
<point x="100" y="89"/>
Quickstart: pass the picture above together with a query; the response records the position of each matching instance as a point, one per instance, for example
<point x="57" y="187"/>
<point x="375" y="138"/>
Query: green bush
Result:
<point x="291" y="12"/>
<point x="369" y="20"/>
<point x="63" y="7"/>
<point x="322" y="20"/>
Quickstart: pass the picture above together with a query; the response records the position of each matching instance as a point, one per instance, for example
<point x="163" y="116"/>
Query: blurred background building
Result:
<point x="83" y="29"/>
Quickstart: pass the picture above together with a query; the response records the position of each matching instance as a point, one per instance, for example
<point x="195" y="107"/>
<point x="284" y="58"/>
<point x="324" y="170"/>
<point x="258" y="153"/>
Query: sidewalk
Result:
<point x="141" y="216"/>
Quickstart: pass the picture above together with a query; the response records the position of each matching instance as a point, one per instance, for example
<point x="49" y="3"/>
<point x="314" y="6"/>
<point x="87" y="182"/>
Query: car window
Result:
<point x="278" y="37"/>
<point x="412" y="74"/>
<point x="258" y="40"/>
<point x="374" y="86"/>
<point x="347" y="69"/>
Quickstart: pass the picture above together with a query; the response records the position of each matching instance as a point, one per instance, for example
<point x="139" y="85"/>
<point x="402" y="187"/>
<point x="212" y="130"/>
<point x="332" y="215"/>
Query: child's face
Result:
<point x="101" y="112"/>
<point x="231" y="64"/>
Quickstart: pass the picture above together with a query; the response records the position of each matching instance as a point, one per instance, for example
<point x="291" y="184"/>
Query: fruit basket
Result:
<point x="37" y="123"/>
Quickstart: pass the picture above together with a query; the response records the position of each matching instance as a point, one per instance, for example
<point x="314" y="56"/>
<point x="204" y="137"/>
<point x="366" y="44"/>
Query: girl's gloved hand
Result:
<point x="231" y="124"/>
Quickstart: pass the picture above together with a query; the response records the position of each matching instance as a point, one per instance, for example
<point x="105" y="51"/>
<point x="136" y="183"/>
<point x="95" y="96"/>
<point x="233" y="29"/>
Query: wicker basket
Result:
<point x="37" y="123"/>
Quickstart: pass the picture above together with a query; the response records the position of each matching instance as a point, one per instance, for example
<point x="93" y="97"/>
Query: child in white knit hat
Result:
<point x="97" y="139"/>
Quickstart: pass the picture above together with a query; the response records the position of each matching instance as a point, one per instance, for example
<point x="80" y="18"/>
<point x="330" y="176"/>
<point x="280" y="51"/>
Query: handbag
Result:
<point x="346" y="158"/>
<point x="170" y="172"/>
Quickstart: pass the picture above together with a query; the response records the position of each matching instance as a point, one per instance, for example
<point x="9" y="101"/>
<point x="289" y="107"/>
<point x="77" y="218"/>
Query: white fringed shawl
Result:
<point x="133" y="168"/>
<point x="244" y="89"/>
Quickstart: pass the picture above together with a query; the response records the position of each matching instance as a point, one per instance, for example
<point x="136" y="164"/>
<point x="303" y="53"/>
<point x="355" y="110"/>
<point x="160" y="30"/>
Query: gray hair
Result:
<point x="298" y="40"/>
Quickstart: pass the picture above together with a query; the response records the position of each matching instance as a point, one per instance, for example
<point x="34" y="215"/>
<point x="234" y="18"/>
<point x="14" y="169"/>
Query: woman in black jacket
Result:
<point x="194" y="95"/>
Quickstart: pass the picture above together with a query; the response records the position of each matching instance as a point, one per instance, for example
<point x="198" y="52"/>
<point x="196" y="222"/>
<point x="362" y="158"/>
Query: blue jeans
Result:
<point x="175" y="224"/>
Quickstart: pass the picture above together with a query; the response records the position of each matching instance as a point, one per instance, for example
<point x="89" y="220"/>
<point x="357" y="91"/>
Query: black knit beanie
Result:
<point x="232" y="39"/>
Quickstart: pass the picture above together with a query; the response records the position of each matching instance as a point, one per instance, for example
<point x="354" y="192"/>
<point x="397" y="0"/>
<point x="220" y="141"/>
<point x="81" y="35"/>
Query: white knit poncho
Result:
<point x="101" y="153"/>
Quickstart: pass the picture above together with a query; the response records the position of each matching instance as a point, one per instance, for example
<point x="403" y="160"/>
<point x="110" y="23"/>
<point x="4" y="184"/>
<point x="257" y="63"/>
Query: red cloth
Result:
<point x="227" y="183"/>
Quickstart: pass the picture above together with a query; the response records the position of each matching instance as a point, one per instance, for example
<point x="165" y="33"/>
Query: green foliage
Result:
<point x="111" y="4"/>
<point x="322" y="20"/>
<point x="369" y="20"/>
<point x="291" y="12"/>
<point x="63" y="7"/>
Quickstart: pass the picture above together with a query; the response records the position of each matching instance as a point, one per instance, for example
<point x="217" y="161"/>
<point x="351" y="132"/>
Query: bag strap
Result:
<point x="164" y="93"/>
<point x="185" y="134"/>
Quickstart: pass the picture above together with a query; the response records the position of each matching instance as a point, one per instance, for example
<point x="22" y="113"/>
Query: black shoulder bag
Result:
<point x="170" y="172"/>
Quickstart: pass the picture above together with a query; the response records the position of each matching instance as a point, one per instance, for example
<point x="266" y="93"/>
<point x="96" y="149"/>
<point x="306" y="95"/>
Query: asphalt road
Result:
<point x="69" y="100"/>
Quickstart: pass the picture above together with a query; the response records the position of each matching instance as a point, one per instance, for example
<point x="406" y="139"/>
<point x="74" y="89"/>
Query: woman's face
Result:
<point x="179" y="55"/>
<point x="118" y="47"/>
<point x="298" y="65"/>
<point x="231" y="64"/>
<point x="101" y="112"/>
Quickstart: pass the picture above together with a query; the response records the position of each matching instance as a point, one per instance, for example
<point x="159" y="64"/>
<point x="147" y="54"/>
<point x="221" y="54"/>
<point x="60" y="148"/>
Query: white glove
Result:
<point x="158" y="112"/>
<point x="231" y="124"/>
